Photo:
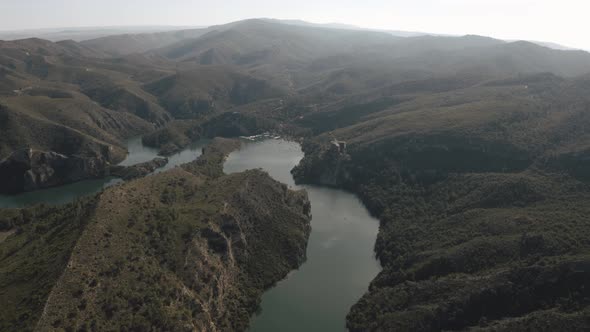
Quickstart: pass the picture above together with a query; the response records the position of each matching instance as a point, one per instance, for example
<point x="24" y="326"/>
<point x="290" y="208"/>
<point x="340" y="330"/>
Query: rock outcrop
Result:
<point x="28" y="170"/>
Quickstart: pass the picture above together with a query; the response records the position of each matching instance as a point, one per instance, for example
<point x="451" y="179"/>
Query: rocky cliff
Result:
<point x="28" y="170"/>
<point x="138" y="170"/>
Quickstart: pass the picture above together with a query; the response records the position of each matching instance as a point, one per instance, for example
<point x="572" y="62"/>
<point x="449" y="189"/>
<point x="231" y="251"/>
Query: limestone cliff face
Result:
<point x="28" y="170"/>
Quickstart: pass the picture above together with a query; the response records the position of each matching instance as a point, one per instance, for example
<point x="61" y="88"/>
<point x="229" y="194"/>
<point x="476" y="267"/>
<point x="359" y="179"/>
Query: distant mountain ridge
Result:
<point x="87" y="33"/>
<point x="398" y="33"/>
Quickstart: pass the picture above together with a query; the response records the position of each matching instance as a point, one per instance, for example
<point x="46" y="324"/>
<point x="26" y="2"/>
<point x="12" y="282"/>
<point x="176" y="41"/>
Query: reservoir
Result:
<point x="340" y="261"/>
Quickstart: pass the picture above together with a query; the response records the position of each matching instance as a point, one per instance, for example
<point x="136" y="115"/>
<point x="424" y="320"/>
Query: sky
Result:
<point x="560" y="21"/>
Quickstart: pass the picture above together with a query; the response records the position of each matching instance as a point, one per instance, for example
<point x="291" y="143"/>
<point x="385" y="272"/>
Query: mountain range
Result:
<point x="472" y="151"/>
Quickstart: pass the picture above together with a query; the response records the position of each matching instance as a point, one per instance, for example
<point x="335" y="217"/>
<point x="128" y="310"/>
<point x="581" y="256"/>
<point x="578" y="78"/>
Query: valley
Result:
<point x="340" y="261"/>
<point x="469" y="153"/>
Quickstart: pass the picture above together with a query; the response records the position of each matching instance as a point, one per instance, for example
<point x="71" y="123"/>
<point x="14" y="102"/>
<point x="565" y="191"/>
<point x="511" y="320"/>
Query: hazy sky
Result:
<point x="561" y="21"/>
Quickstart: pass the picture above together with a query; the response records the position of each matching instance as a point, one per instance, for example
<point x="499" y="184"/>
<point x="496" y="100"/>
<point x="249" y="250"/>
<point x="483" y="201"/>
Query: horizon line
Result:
<point x="344" y="26"/>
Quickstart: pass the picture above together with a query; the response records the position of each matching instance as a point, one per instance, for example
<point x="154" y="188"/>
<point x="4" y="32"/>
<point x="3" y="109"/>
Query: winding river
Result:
<point x="340" y="261"/>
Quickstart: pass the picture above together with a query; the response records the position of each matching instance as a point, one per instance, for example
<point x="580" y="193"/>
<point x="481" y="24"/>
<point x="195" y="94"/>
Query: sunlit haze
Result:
<point x="562" y="22"/>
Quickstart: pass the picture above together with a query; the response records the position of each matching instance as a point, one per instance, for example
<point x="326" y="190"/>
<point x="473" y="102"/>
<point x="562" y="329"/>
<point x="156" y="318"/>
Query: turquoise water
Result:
<point x="340" y="261"/>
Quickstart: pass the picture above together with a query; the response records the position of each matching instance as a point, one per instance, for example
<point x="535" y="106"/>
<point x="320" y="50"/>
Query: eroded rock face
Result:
<point x="28" y="170"/>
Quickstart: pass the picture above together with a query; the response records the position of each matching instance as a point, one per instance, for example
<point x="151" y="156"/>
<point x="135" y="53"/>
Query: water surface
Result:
<point x="340" y="261"/>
